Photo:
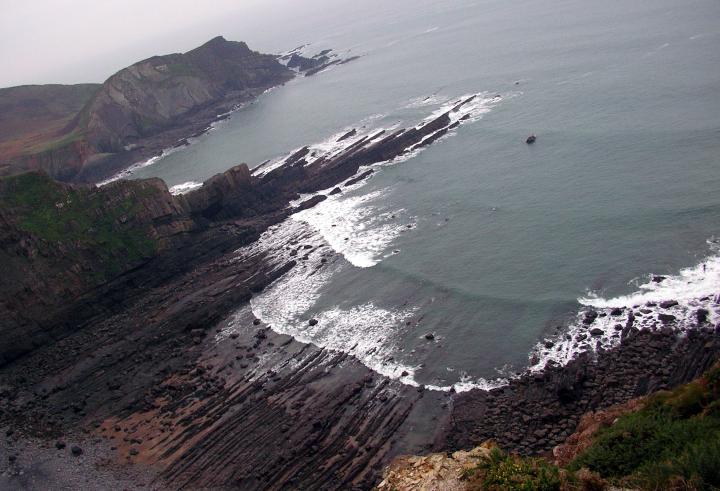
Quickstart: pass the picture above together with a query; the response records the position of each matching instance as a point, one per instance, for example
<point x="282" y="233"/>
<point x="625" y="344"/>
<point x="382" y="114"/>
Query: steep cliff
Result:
<point x="59" y="242"/>
<point x="93" y="129"/>
<point x="71" y="251"/>
<point x="151" y="95"/>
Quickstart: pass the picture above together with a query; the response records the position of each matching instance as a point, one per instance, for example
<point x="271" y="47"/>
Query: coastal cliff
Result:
<point x="128" y="332"/>
<point x="65" y="248"/>
<point x="138" y="111"/>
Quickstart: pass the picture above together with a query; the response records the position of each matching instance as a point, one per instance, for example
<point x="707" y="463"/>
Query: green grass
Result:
<point x="84" y="219"/>
<point x="672" y="443"/>
<point x="61" y="142"/>
<point x="502" y="471"/>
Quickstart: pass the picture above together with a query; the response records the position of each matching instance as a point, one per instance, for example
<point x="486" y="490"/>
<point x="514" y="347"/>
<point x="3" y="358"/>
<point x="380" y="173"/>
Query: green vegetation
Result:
<point x="80" y="218"/>
<point x="672" y="443"/>
<point x="60" y="142"/>
<point x="501" y="471"/>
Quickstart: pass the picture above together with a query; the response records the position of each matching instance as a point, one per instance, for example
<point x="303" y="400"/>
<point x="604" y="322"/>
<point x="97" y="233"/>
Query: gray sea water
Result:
<point x="507" y="241"/>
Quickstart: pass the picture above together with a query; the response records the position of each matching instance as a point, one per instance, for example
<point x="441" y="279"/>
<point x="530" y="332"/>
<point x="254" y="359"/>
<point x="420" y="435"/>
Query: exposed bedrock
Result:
<point x="533" y="414"/>
<point x="126" y="317"/>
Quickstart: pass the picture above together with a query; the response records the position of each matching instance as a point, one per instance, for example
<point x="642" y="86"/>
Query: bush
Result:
<point x="672" y="443"/>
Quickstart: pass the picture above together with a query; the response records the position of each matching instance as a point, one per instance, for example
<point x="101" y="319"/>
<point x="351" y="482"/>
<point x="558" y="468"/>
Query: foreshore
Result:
<point x="171" y="375"/>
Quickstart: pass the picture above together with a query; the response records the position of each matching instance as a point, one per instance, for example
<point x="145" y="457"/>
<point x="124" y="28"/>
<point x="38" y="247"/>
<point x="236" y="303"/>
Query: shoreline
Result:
<point x="181" y="380"/>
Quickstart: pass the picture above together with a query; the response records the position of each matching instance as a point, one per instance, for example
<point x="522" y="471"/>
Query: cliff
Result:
<point x="88" y="131"/>
<point x="70" y="250"/>
<point x="668" y="440"/>
<point x="152" y="95"/>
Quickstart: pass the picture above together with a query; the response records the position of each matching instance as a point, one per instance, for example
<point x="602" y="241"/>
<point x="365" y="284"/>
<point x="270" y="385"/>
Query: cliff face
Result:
<point x="58" y="242"/>
<point x="97" y="127"/>
<point x="153" y="94"/>
<point x="67" y="249"/>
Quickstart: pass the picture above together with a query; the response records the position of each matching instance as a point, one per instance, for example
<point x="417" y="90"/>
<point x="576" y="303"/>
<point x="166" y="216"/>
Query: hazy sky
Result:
<point x="71" y="41"/>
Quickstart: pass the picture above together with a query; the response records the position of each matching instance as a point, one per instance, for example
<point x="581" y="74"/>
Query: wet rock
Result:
<point x="549" y="344"/>
<point x="347" y="135"/>
<point x="312" y="322"/>
<point x="658" y="279"/>
<point x="597" y="332"/>
<point x="701" y="315"/>
<point x="60" y="444"/>
<point x="359" y="178"/>
<point x="589" y="317"/>
<point x="666" y="318"/>
<point x="404" y="373"/>
<point x="335" y="191"/>
<point x="616" y="311"/>
<point x="429" y="336"/>
<point x="76" y="451"/>
<point x="668" y="303"/>
<point x="256" y="322"/>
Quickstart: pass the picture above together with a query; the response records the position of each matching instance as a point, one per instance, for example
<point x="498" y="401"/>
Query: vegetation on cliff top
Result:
<point x="74" y="217"/>
<point x="672" y="443"/>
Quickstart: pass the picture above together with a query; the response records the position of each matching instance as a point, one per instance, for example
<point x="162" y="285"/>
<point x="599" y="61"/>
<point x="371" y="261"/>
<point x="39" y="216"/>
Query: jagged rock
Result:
<point x="589" y="317"/>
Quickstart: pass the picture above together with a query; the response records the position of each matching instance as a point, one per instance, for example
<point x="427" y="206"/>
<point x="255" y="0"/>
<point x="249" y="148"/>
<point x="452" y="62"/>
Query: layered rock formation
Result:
<point x="153" y="94"/>
<point x="125" y="316"/>
<point x="138" y="111"/>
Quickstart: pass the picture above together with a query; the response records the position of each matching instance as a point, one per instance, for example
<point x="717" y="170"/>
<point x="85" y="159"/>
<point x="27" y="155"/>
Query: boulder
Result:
<point x="589" y="317"/>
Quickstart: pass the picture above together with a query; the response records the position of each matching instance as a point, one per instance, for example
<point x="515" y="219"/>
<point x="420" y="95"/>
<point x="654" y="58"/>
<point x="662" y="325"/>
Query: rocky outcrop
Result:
<point x="70" y="252"/>
<point x="540" y="410"/>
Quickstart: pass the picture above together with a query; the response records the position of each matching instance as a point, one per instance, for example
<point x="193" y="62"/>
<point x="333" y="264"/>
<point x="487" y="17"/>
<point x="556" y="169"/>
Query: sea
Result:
<point x="477" y="258"/>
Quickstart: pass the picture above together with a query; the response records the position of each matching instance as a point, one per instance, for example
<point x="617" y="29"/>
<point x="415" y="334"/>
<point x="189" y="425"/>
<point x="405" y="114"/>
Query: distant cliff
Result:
<point x="128" y="115"/>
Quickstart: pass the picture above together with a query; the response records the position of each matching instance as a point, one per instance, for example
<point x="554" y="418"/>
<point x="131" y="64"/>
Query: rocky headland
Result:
<point x="127" y="346"/>
<point x="94" y="130"/>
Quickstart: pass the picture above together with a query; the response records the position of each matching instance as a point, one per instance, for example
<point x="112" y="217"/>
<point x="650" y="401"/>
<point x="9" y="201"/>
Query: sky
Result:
<point x="74" y="41"/>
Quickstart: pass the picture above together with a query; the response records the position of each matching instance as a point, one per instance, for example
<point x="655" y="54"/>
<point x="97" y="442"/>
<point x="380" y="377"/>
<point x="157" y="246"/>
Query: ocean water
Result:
<point x="491" y="245"/>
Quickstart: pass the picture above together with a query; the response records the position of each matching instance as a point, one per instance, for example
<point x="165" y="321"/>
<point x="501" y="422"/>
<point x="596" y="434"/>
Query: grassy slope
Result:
<point x="79" y="219"/>
<point x="673" y="443"/>
<point x="33" y="117"/>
